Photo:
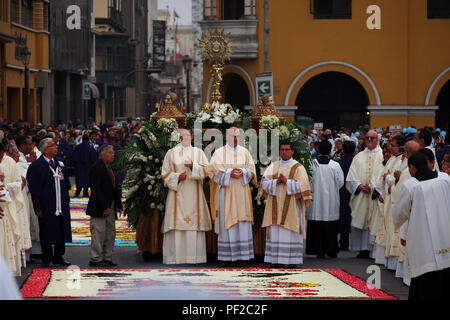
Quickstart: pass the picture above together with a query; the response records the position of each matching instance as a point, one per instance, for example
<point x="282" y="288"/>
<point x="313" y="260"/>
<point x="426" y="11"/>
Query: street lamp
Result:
<point x="187" y="64"/>
<point x="25" y="55"/>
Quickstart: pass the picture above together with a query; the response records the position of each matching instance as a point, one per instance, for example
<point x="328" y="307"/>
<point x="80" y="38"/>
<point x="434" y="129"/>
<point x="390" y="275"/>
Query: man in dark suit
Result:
<point x="104" y="202"/>
<point x="49" y="186"/>
<point x="84" y="156"/>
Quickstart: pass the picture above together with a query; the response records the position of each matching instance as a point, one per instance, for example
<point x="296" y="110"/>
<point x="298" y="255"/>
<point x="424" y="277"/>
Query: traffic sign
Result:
<point x="264" y="84"/>
<point x="86" y="91"/>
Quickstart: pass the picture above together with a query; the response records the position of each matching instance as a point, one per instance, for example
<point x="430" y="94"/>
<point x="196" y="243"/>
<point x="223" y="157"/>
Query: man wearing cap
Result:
<point x="231" y="170"/>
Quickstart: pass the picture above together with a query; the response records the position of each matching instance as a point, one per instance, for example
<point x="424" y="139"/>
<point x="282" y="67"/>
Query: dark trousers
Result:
<point x="321" y="237"/>
<point x="52" y="252"/>
<point x="344" y="241"/>
<point x="430" y="286"/>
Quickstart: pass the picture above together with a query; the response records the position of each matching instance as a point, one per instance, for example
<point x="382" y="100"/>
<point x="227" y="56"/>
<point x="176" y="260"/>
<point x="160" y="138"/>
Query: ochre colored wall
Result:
<point x="38" y="44"/>
<point x="101" y="8"/>
<point x="402" y="59"/>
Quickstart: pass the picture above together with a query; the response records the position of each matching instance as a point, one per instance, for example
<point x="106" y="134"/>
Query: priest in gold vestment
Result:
<point x="231" y="170"/>
<point x="288" y="191"/>
<point x="187" y="216"/>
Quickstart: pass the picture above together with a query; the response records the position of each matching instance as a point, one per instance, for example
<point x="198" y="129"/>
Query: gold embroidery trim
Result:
<point x="287" y="200"/>
<point x="443" y="251"/>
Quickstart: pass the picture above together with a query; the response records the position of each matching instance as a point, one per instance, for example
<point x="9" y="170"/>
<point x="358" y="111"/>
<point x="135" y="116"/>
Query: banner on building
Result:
<point x="159" y="44"/>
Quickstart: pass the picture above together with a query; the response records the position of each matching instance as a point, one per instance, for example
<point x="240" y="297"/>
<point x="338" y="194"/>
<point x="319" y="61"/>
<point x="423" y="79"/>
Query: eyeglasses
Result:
<point x="371" y="138"/>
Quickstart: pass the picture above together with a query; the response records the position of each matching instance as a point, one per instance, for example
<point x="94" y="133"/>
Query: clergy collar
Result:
<point x="371" y="151"/>
<point x="286" y="163"/>
<point x="184" y="147"/>
<point x="323" y="159"/>
<point x="231" y="149"/>
<point x="425" y="175"/>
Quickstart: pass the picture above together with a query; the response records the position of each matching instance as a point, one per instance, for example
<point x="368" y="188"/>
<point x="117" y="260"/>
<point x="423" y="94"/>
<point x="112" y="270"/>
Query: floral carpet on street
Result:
<point x="192" y="284"/>
<point x="81" y="235"/>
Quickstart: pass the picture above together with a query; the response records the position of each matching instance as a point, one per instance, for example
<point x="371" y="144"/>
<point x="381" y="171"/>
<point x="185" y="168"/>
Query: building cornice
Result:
<point x="402" y="110"/>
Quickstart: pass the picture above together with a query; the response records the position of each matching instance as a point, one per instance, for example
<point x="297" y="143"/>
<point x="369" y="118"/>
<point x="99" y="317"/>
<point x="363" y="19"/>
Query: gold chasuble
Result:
<point x="238" y="198"/>
<point x="186" y="207"/>
<point x="281" y="210"/>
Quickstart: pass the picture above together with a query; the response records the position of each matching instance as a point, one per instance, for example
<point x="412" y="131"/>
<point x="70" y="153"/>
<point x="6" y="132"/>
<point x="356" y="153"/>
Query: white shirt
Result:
<point x="426" y="207"/>
<point x="326" y="181"/>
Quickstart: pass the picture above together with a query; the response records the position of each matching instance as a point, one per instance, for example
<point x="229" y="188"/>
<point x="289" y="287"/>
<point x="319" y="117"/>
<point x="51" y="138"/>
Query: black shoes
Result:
<point x="102" y="264"/>
<point x="45" y="264"/>
<point x="363" y="254"/>
<point x="61" y="262"/>
<point x="109" y="263"/>
<point x="96" y="264"/>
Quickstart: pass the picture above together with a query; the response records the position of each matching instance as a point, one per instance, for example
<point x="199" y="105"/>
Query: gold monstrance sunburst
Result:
<point x="216" y="48"/>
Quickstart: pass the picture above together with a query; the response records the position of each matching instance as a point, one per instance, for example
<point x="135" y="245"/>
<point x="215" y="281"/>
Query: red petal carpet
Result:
<point x="163" y="284"/>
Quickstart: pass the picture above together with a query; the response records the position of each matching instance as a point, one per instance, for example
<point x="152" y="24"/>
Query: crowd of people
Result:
<point x="34" y="207"/>
<point x="377" y="201"/>
<point x="355" y="199"/>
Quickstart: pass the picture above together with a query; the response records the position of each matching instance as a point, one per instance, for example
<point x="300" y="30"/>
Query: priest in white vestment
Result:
<point x="7" y="235"/>
<point x="231" y="170"/>
<point x="362" y="182"/>
<point x="187" y="217"/>
<point x="14" y="211"/>
<point x="19" y="196"/>
<point x="424" y="202"/>
<point x="323" y="214"/>
<point x="387" y="250"/>
<point x="25" y="147"/>
<point x="286" y="185"/>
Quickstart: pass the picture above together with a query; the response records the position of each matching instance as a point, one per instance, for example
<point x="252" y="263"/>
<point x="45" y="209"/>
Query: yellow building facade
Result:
<point x="386" y="63"/>
<point x="28" y="26"/>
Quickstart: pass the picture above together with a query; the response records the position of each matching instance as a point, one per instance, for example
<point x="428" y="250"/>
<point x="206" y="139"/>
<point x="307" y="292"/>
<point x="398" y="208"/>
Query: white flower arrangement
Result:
<point x="270" y="122"/>
<point x="284" y="132"/>
<point x="167" y="125"/>
<point x="175" y="136"/>
<point x="218" y="113"/>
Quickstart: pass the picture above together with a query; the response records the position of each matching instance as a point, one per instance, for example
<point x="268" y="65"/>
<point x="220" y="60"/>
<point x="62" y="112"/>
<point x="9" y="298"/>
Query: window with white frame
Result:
<point x="209" y="9"/>
<point x="250" y="8"/>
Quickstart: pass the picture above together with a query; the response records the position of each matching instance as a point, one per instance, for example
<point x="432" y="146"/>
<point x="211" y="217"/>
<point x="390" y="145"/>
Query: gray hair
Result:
<point x="103" y="148"/>
<point x="44" y="144"/>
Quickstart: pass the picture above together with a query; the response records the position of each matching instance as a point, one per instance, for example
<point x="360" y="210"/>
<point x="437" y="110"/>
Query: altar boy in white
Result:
<point x="286" y="185"/>
<point x="187" y="215"/>
<point x="323" y="216"/>
<point x="425" y="202"/>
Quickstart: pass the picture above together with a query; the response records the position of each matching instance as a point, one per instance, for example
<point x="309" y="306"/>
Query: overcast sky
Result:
<point x="182" y="7"/>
